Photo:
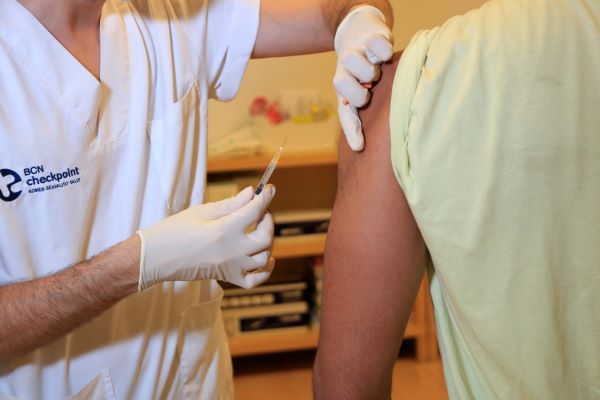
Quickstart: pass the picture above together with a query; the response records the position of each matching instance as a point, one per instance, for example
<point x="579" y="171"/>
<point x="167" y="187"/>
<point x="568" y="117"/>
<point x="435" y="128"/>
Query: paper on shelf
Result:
<point x="242" y="142"/>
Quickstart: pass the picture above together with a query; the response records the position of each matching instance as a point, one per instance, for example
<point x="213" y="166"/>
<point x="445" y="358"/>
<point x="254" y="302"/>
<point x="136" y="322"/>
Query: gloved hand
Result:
<point x="209" y="241"/>
<point x="363" y="41"/>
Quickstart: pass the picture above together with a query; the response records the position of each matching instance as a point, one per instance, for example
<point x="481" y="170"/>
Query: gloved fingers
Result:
<point x="247" y="264"/>
<point x="351" y="126"/>
<point x="355" y="61"/>
<point x="254" y="210"/>
<point x="238" y="280"/>
<point x="260" y="276"/>
<point x="379" y="48"/>
<point x="348" y="87"/>
<point x="262" y="237"/>
<point x="269" y="266"/>
<point x="235" y="269"/>
<point x="239" y="267"/>
<point x="225" y="207"/>
<point x="258" y="262"/>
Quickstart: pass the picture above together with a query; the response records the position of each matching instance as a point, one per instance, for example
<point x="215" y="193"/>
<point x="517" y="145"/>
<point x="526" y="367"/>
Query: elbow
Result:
<point x="316" y="382"/>
<point x="324" y="380"/>
<point x="335" y="383"/>
<point x="324" y="387"/>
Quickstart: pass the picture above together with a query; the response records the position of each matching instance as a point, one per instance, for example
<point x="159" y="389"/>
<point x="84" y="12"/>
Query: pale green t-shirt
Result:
<point x="495" y="127"/>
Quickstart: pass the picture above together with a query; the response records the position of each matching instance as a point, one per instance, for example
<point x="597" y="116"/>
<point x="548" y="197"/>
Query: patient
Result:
<point x="481" y="166"/>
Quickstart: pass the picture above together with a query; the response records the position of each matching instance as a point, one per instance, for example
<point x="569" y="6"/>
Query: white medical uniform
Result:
<point x="84" y="164"/>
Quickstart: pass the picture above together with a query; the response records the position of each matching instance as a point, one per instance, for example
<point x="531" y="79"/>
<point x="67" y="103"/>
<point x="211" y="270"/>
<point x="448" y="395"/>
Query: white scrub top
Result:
<point x="84" y="164"/>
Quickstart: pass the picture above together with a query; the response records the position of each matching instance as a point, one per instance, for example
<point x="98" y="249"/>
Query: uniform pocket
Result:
<point x="178" y="147"/>
<point x="99" y="388"/>
<point x="205" y="368"/>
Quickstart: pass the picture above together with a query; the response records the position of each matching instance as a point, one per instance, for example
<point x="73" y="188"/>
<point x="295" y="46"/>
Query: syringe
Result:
<point x="269" y="171"/>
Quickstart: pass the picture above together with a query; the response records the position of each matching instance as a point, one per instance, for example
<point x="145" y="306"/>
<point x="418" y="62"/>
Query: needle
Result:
<point x="269" y="171"/>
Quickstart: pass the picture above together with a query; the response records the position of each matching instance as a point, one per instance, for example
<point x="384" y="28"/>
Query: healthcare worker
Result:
<point x="103" y="110"/>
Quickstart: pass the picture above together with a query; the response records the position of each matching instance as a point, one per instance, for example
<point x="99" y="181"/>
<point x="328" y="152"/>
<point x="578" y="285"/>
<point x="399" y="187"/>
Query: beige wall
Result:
<point x="267" y="77"/>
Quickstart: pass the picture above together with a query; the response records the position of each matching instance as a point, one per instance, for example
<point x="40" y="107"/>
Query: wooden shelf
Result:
<point x="260" y="161"/>
<point x="288" y="339"/>
<point x="413" y="330"/>
<point x="299" y="246"/>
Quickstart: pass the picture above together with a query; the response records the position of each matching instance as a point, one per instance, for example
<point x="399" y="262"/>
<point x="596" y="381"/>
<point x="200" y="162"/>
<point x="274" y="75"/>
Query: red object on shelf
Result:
<point x="258" y="106"/>
<point x="273" y="115"/>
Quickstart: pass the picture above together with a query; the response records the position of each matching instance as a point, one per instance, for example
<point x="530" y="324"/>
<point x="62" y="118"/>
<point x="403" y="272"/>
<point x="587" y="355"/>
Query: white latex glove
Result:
<point x="363" y="41"/>
<point x="209" y="241"/>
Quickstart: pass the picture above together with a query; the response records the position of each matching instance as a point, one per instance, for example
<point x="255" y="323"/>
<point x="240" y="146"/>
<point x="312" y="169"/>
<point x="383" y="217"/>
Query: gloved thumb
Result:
<point x="351" y="125"/>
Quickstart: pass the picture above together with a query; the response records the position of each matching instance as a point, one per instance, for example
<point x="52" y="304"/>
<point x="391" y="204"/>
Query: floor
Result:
<point x="288" y="376"/>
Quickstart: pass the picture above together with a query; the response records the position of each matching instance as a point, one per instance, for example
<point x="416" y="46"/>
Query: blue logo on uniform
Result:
<point x="8" y="179"/>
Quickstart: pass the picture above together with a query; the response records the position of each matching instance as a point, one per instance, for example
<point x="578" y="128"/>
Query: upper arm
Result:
<point x="291" y="28"/>
<point x="303" y="27"/>
<point x="374" y="263"/>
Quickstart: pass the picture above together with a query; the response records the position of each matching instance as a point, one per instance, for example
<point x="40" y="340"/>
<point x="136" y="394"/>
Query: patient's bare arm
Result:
<point x="374" y="263"/>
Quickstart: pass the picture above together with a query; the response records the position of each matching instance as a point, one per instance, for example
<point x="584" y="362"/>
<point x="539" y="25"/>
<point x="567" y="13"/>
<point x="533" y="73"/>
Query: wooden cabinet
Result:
<point x="307" y="180"/>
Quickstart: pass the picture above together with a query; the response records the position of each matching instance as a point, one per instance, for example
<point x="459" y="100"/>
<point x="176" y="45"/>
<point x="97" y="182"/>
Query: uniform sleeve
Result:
<point x="231" y="29"/>
<point x="408" y="75"/>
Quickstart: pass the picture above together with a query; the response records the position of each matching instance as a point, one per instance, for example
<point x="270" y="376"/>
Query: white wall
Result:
<point x="267" y="77"/>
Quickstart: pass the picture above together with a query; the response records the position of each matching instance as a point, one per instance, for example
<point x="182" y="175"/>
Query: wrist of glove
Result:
<point x="210" y="241"/>
<point x="362" y="41"/>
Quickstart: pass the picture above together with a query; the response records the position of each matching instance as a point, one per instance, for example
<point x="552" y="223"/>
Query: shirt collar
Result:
<point x="80" y="92"/>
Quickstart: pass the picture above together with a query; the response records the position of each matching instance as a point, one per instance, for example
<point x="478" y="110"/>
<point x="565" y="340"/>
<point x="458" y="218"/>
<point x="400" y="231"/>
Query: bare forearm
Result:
<point x="35" y="313"/>
<point x="304" y="27"/>
<point x="290" y="28"/>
